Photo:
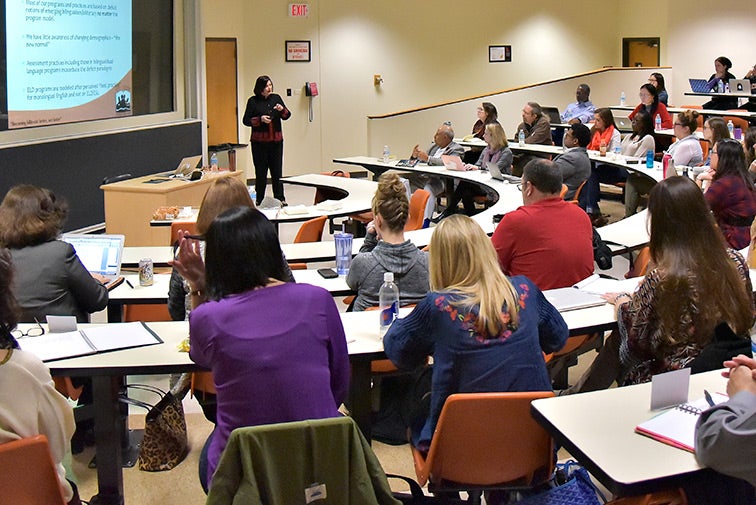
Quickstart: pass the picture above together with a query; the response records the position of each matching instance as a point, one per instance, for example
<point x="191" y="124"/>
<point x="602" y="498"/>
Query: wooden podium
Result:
<point x="129" y="204"/>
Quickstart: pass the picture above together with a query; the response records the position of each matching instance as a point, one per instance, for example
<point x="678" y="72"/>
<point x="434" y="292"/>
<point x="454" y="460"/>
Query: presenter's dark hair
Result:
<point x="9" y="310"/>
<point x="242" y="253"/>
<point x="544" y="175"/>
<point x="30" y="215"/>
<point x="731" y="161"/>
<point x="582" y="133"/>
<point x="260" y="84"/>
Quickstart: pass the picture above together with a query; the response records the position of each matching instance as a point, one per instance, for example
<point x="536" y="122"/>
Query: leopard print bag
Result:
<point x="165" y="443"/>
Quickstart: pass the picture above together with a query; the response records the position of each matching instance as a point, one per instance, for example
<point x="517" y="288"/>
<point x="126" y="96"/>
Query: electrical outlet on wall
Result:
<point x="288" y="91"/>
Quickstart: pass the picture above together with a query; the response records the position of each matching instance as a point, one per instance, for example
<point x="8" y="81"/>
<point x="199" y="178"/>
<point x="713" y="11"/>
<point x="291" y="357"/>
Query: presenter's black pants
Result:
<point x="268" y="156"/>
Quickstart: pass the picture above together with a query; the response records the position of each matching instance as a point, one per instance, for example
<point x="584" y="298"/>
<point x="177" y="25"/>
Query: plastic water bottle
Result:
<point x="622" y="99"/>
<point x="720" y="86"/>
<point x="252" y="193"/>
<point x="617" y="152"/>
<point x="657" y="122"/>
<point x="388" y="302"/>
<point x="650" y="158"/>
<point x="521" y="137"/>
<point x="386" y="154"/>
<point x="214" y="162"/>
<point x="731" y="129"/>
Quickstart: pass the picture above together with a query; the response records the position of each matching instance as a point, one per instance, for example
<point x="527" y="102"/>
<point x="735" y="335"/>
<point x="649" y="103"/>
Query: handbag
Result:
<point x="576" y="490"/>
<point x="164" y="445"/>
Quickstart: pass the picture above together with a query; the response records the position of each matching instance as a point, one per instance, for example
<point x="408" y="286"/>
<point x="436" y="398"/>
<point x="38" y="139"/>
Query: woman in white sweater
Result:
<point x="29" y="403"/>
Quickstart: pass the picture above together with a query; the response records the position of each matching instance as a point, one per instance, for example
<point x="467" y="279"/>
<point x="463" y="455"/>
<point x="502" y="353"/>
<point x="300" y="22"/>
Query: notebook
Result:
<point x="677" y="426"/>
<point x="100" y="254"/>
<point x="699" y="85"/>
<point x="565" y="299"/>
<point x="553" y="114"/>
<point x="114" y="336"/>
<point x="624" y="124"/>
<point x="740" y="86"/>
<point x="493" y="168"/>
<point x="453" y="163"/>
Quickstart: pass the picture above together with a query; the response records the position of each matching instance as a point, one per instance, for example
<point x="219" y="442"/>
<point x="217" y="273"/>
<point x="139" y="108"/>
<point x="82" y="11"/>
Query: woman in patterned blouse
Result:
<point x="486" y="332"/>
<point x="696" y="284"/>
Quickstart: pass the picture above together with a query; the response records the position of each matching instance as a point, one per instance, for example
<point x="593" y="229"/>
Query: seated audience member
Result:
<point x="29" y="403"/>
<point x="223" y="194"/>
<point x="486" y="332"/>
<point x="726" y="433"/>
<point x="50" y="278"/>
<point x="537" y="129"/>
<point x="579" y="111"/>
<point x="687" y="150"/>
<point x="750" y="105"/>
<point x="386" y="250"/>
<point x="731" y="195"/>
<point x="443" y="143"/>
<point x="295" y="364"/>
<point x="604" y="131"/>
<point x="722" y="66"/>
<point x="637" y="144"/>
<point x="749" y="146"/>
<point x="666" y="323"/>
<point x="606" y="134"/>
<point x="649" y="98"/>
<point x="574" y="162"/>
<point x="487" y="114"/>
<point x="496" y="151"/>
<point x="714" y="130"/>
<point x="657" y="80"/>
<point x="548" y="240"/>
<point x="582" y="109"/>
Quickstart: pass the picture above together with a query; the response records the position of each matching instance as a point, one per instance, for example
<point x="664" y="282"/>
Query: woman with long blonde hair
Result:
<point x="486" y="332"/>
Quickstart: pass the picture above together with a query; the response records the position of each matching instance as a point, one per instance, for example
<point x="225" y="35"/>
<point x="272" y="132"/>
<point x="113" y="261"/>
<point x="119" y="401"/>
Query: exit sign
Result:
<point x="298" y="10"/>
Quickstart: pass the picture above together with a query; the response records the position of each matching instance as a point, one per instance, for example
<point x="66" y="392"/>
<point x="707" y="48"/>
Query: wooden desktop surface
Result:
<point x="598" y="429"/>
<point x="129" y="204"/>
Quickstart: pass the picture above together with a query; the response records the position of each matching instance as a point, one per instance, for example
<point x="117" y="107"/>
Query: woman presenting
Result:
<point x="264" y="113"/>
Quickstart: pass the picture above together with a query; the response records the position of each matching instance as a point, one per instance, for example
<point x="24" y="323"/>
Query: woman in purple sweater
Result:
<point x="277" y="350"/>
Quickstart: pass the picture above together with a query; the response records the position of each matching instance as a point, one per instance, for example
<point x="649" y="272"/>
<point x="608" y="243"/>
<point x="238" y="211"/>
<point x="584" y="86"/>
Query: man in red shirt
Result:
<point x="547" y="239"/>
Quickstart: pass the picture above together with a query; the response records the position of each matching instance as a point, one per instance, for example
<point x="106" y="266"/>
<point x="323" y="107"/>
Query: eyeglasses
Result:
<point x="34" y="331"/>
<point x="714" y="153"/>
<point x="678" y="124"/>
<point x="480" y="109"/>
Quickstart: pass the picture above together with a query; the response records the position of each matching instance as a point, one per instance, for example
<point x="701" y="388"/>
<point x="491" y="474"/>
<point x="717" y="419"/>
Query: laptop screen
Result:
<point x="98" y="253"/>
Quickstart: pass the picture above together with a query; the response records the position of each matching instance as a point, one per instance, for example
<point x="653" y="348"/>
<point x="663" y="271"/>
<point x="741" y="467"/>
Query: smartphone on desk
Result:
<point x="327" y="273"/>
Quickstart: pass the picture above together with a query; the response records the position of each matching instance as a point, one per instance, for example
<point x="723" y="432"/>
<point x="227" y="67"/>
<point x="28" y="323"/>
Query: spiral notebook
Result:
<point x="677" y="426"/>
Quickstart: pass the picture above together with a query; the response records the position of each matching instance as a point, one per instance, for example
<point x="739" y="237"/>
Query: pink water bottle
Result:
<point x="666" y="160"/>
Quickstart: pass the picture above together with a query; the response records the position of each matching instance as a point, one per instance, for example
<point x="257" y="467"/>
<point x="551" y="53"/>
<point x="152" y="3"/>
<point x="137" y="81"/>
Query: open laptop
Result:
<point x="493" y="168"/>
<point x="185" y="167"/>
<point x="740" y="86"/>
<point x="699" y="85"/>
<point x="100" y="254"/>
<point x="624" y="124"/>
<point x="453" y="162"/>
<point x="571" y="298"/>
<point x="553" y="114"/>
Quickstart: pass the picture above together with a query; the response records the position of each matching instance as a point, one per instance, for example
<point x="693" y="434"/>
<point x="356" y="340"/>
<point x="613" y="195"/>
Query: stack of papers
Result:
<point x="599" y="285"/>
<point x="329" y="205"/>
<point x="294" y="210"/>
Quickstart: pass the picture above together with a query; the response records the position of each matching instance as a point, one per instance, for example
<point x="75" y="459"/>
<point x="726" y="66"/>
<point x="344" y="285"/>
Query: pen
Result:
<point x="708" y="398"/>
<point x="130" y="284"/>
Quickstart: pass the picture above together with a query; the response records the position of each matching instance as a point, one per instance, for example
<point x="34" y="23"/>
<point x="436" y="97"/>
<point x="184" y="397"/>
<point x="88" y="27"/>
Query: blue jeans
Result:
<point x="608" y="174"/>
<point x="203" y="462"/>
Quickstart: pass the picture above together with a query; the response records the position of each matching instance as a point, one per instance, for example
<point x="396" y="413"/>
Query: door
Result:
<point x="640" y="52"/>
<point x="221" y="82"/>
